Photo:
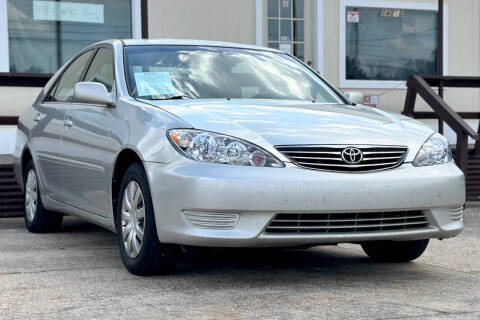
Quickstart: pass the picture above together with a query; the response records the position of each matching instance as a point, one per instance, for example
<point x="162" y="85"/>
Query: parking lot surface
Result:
<point x="77" y="273"/>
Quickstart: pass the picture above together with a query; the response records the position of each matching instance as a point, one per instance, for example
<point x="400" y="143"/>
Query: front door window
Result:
<point x="66" y="86"/>
<point x="101" y="69"/>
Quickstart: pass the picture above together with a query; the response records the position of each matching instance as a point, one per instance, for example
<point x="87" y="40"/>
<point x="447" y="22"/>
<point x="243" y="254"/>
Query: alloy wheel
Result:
<point x="31" y="195"/>
<point x="133" y="219"/>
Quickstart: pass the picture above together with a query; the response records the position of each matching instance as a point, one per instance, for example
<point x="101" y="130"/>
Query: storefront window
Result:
<point x="389" y="44"/>
<point x="43" y="35"/>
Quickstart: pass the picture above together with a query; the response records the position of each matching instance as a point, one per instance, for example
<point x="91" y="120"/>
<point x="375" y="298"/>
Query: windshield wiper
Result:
<point x="177" y="97"/>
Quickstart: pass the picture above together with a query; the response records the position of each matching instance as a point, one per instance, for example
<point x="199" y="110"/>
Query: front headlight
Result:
<point x="435" y="150"/>
<point x="217" y="148"/>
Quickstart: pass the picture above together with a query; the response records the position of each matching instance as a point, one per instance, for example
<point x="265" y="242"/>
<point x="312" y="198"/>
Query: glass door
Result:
<point x="290" y="26"/>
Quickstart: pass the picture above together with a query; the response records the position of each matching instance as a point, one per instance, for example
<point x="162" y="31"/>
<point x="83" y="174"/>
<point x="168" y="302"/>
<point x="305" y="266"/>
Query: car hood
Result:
<point x="268" y="123"/>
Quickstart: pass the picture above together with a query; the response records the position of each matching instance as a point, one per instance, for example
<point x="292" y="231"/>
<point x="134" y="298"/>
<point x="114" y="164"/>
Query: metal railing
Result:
<point x="422" y="85"/>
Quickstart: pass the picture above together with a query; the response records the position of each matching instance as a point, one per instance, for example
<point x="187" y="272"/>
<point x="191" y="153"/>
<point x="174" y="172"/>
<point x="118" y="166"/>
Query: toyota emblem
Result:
<point x="352" y="155"/>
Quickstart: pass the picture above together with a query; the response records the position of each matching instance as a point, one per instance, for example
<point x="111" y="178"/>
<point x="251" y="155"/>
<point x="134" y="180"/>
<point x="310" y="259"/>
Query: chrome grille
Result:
<point x="329" y="157"/>
<point x="347" y="222"/>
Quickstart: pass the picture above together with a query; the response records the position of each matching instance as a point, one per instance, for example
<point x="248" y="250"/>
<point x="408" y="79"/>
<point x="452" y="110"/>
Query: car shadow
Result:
<point x="326" y="267"/>
<point x="73" y="224"/>
<point x="263" y="265"/>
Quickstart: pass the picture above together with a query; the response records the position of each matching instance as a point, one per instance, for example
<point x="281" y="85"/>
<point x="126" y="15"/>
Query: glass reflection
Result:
<point x="390" y="44"/>
<point x="43" y="35"/>
<point x="161" y="72"/>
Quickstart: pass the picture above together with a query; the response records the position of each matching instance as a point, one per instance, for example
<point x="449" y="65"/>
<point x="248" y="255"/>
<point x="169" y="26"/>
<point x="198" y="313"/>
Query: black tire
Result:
<point x="153" y="257"/>
<point x="395" y="251"/>
<point x="43" y="220"/>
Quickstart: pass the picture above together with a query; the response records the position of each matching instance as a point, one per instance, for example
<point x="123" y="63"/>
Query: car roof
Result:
<point x="187" y="42"/>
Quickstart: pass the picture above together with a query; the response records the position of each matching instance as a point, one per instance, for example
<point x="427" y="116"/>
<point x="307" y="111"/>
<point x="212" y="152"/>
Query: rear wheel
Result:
<point x="37" y="218"/>
<point x="141" y="251"/>
<point x="395" y="251"/>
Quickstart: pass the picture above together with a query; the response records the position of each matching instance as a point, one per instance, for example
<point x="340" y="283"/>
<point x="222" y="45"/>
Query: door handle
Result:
<point x="37" y="118"/>
<point x="68" y="123"/>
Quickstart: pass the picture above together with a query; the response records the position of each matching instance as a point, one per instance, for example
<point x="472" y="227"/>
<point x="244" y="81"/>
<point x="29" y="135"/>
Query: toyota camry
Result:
<point x="172" y="143"/>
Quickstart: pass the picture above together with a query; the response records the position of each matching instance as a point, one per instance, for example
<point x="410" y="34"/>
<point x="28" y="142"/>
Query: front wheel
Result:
<point x="141" y="251"/>
<point x="395" y="251"/>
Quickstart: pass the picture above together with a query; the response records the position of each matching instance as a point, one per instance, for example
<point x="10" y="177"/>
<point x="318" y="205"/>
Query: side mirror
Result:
<point x="93" y="92"/>
<point x="355" y="97"/>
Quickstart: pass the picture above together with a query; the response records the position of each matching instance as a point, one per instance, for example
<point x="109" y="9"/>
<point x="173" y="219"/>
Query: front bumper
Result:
<point x="256" y="195"/>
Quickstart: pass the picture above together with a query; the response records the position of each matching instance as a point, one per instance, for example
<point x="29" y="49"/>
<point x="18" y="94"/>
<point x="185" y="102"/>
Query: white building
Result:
<point x="363" y="45"/>
<point x="366" y="45"/>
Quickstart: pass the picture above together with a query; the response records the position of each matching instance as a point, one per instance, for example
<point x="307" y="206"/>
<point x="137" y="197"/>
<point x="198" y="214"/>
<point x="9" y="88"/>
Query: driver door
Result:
<point x="48" y="128"/>
<point x="89" y="150"/>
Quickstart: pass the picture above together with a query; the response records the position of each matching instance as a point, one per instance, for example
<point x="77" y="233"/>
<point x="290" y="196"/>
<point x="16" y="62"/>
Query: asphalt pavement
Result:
<point x="77" y="273"/>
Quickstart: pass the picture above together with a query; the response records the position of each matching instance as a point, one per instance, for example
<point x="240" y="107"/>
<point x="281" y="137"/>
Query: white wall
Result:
<point x="8" y="136"/>
<point x="13" y="100"/>
<point x="224" y="20"/>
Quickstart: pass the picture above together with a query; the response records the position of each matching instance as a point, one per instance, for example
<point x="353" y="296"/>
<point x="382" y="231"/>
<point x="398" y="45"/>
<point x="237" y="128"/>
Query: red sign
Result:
<point x="371" y="100"/>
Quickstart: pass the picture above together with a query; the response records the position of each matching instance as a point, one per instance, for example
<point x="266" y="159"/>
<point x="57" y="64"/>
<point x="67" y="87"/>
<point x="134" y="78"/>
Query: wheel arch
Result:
<point x="124" y="160"/>
<point x="25" y="158"/>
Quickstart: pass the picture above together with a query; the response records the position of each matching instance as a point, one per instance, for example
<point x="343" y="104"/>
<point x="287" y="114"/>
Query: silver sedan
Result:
<point x="171" y="143"/>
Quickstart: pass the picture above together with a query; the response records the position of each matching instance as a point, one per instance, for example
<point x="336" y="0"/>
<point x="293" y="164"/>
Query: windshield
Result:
<point x="164" y="72"/>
